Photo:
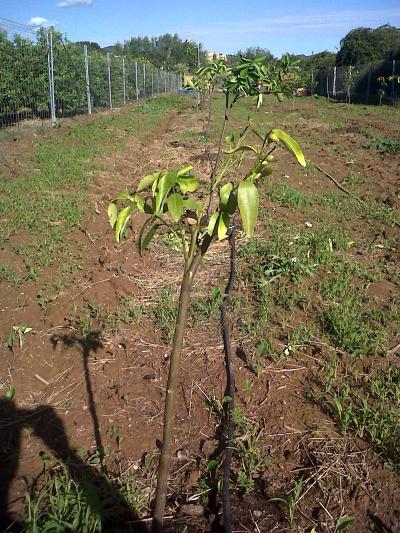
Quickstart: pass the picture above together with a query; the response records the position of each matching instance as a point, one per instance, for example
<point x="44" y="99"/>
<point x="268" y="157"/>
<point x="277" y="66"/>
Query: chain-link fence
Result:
<point x="372" y="84"/>
<point x="44" y="77"/>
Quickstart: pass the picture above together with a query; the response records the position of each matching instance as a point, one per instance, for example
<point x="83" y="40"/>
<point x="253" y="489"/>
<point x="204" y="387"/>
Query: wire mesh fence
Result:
<point x="45" y="77"/>
<point x="371" y="84"/>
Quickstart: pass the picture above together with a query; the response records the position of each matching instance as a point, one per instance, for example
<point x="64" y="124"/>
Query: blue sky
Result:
<point x="221" y="25"/>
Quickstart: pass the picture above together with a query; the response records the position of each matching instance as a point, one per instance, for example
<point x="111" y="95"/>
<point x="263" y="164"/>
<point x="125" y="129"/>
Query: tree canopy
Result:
<point x="250" y="53"/>
<point x="322" y="60"/>
<point x="366" y="45"/>
<point x="167" y="51"/>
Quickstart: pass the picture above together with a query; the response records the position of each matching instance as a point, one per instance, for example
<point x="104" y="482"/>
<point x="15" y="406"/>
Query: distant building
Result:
<point x="210" y="56"/>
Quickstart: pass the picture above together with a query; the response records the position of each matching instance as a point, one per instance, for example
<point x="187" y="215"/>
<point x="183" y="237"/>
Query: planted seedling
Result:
<point x="20" y="330"/>
<point x="201" y="213"/>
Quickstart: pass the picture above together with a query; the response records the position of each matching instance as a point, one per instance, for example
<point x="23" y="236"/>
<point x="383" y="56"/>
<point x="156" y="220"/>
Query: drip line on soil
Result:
<point x="230" y="387"/>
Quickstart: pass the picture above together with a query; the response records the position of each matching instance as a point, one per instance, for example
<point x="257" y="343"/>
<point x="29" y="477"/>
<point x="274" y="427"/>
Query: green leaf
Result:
<point x="124" y="195"/>
<point x="264" y="170"/>
<point x="248" y="205"/>
<point x="112" y="213"/>
<point x="10" y="393"/>
<point x="231" y="206"/>
<point x="212" y="222"/>
<point x="344" y="522"/>
<point x="139" y="203"/>
<point x="290" y="144"/>
<point x="188" y="183"/>
<point x="175" y="206"/>
<point x="224" y="193"/>
<point x="212" y="465"/>
<point x="242" y="148"/>
<point x="122" y="221"/>
<point x="147" y="181"/>
<point x="228" y="202"/>
<point x="144" y="243"/>
<point x="223" y="225"/>
<point x="10" y="339"/>
<point x="190" y="203"/>
<point x="165" y="184"/>
<point x="183" y="171"/>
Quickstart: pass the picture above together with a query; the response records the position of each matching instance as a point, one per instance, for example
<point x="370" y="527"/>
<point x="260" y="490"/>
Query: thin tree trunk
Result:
<point x="169" y="413"/>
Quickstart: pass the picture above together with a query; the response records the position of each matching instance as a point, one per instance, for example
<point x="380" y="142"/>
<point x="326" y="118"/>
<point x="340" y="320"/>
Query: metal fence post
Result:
<point x="89" y="102"/>
<point x="334" y="81"/>
<point x="152" y="82"/>
<point x="144" y="79"/>
<point x="327" y="84"/>
<point x="123" y="80"/>
<point x="393" y="73"/>
<point x="312" y="82"/>
<point x="109" y="80"/>
<point x="165" y="82"/>
<point x="158" y="81"/>
<point x="369" y="83"/>
<point x="136" y="81"/>
<point x="50" y="65"/>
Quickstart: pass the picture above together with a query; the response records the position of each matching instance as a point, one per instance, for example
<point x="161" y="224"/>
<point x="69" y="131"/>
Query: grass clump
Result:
<point x="76" y="501"/>
<point x="349" y="320"/>
<point x="287" y="196"/>
<point x="165" y="313"/>
<point x="370" y="407"/>
<point x="383" y="145"/>
<point x="205" y="308"/>
<point x="91" y="317"/>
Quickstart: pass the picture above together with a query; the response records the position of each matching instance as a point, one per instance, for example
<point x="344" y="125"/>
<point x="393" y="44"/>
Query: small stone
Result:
<point x="191" y="509"/>
<point x="257" y="513"/>
<point x="182" y="455"/>
<point x="308" y="224"/>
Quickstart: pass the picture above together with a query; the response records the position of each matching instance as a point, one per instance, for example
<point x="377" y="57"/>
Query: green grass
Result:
<point x="349" y="319"/>
<point x="47" y="200"/>
<point x="369" y="407"/>
<point x="284" y="194"/>
<point x="275" y="268"/>
<point x="92" y="317"/>
<point x="66" y="502"/>
<point x="205" y="308"/>
<point x="165" y="313"/>
<point x="383" y="145"/>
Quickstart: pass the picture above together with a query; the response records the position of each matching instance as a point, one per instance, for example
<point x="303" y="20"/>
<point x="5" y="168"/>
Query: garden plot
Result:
<point x="86" y="327"/>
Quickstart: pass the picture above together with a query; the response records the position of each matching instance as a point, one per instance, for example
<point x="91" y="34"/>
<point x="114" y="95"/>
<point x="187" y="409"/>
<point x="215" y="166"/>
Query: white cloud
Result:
<point x="75" y="3"/>
<point x="41" y="22"/>
<point x="302" y="25"/>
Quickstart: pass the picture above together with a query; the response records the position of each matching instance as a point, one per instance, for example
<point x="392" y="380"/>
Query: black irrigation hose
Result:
<point x="230" y="388"/>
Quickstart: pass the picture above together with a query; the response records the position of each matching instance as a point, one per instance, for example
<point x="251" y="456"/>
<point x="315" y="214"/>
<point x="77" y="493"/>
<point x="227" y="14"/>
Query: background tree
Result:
<point x="366" y="45"/>
<point x="320" y="61"/>
<point x="251" y="53"/>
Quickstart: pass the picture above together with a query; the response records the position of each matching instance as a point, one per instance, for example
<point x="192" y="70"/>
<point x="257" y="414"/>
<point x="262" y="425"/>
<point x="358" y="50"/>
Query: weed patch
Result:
<point x="369" y="406"/>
